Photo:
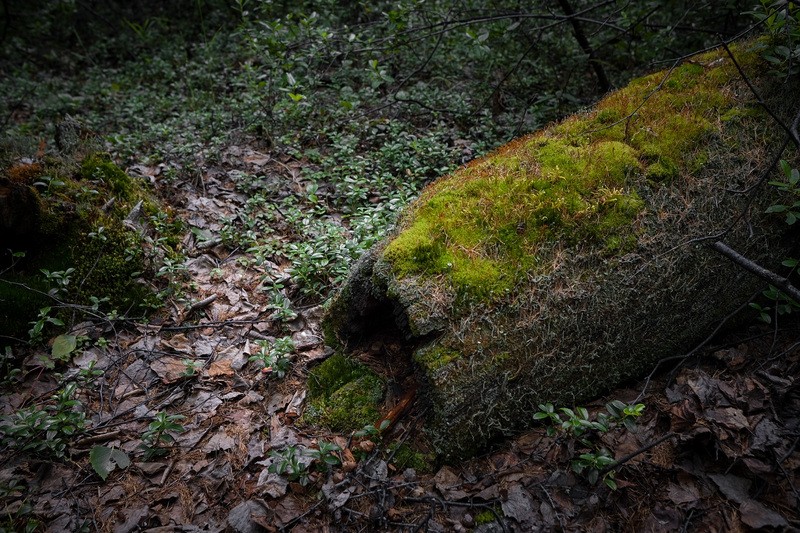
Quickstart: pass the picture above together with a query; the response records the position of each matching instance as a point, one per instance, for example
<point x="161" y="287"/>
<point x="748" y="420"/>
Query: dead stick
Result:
<point x="98" y="438"/>
<point x="768" y="275"/>
<point x="630" y="456"/>
<point x="205" y="302"/>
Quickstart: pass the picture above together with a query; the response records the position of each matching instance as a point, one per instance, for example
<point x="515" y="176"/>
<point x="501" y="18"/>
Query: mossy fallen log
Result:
<point x="568" y="261"/>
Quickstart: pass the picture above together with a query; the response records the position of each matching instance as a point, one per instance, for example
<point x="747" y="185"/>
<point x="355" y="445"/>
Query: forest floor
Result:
<point x="715" y="450"/>
<point x="287" y="143"/>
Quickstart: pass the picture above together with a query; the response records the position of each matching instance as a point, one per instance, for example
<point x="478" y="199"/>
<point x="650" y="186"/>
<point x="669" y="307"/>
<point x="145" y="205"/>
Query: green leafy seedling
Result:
<point x="579" y="425"/>
<point x="326" y="455"/>
<point x="790" y="186"/>
<point x="547" y="412"/>
<point x="370" y="430"/>
<point x="287" y="462"/>
<point x="275" y="357"/>
<point x="157" y="436"/>
<point x="592" y="464"/>
<point x="190" y="367"/>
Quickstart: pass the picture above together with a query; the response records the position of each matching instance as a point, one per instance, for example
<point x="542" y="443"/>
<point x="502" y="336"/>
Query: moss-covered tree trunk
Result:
<point x="568" y="261"/>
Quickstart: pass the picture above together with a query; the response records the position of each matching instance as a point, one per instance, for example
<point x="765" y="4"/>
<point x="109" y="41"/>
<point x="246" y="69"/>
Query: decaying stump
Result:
<point x="571" y="260"/>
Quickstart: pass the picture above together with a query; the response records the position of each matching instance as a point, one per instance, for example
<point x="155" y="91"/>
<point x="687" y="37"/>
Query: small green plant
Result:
<point x="370" y="430"/>
<point x="37" y="331"/>
<point x="781" y="303"/>
<point x="17" y="514"/>
<point x="157" y="435"/>
<point x="288" y="462"/>
<point x="294" y="462"/>
<point x="190" y="367"/>
<point x="47" y="185"/>
<point x="781" y="20"/>
<point x="326" y="456"/>
<point x="87" y="376"/>
<point x="592" y="464"/>
<point x="172" y="269"/>
<point x="578" y="424"/>
<point x="59" y="280"/>
<point x="281" y="307"/>
<point x="274" y="356"/>
<point x="51" y="427"/>
<point x="621" y="412"/>
<point x="790" y="186"/>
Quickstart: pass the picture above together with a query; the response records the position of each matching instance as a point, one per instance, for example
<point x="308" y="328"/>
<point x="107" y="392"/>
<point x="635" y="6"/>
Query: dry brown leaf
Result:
<point x="729" y="417"/>
<point x="219" y="368"/>
<point x="758" y="516"/>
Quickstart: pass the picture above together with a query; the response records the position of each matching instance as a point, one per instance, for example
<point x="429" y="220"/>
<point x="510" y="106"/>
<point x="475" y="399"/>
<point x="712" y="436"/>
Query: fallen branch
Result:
<point x="98" y="438"/>
<point x="778" y="281"/>
<point x="202" y="304"/>
<point x="646" y="447"/>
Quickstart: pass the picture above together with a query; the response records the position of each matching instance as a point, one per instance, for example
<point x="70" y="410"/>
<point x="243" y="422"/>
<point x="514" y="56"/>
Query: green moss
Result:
<point x="344" y="395"/>
<point x="405" y="457"/>
<point x="486" y="517"/>
<point x="418" y="250"/>
<point x="75" y="232"/>
<point x="484" y="226"/>
<point x="333" y="373"/>
<point x="608" y="116"/>
<point x="662" y="171"/>
<point x="686" y="76"/>
<point x="108" y="265"/>
<point x="435" y="357"/>
<point x="100" y="167"/>
<point x="738" y="113"/>
<point x="614" y="161"/>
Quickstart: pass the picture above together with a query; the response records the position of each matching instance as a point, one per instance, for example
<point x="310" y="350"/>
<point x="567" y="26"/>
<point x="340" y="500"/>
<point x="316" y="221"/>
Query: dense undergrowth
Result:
<point x="376" y="99"/>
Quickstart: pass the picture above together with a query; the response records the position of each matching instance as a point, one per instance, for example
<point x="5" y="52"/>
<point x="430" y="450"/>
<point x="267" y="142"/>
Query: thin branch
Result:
<point x="761" y="102"/>
<point x="205" y="302"/>
<point x="460" y="23"/>
<point x="634" y="453"/>
<point x="771" y="277"/>
<point x="694" y="350"/>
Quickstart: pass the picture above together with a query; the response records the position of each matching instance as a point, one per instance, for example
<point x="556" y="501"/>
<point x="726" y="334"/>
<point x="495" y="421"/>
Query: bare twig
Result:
<point x="779" y="281"/>
<point x="761" y="102"/>
<point x="202" y="304"/>
<point x="102" y="437"/>
<point x="694" y="350"/>
<point x="212" y="324"/>
<point x="634" y="453"/>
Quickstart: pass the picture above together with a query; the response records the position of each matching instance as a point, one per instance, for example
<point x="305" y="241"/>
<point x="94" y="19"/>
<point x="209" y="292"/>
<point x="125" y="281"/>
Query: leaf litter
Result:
<point x="728" y="421"/>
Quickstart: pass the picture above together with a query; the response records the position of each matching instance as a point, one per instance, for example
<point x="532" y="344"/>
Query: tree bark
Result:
<point x="602" y="79"/>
